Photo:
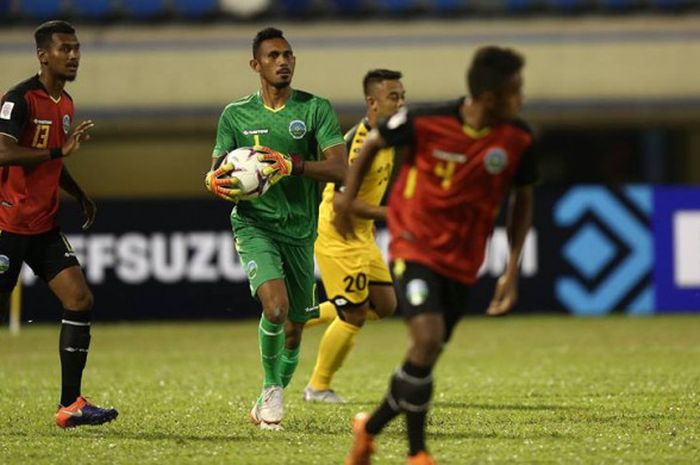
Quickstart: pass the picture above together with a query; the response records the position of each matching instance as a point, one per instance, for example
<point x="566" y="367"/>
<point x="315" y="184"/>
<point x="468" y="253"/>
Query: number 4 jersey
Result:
<point x="29" y="194"/>
<point x="452" y="183"/>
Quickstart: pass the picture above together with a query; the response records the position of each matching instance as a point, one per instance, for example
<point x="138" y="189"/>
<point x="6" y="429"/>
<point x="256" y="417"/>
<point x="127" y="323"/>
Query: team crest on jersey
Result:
<point x="339" y="301"/>
<point x="496" y="160"/>
<point x="251" y="269"/>
<point x="297" y="129"/>
<point x="4" y="263"/>
<point x="66" y="123"/>
<point x="417" y="292"/>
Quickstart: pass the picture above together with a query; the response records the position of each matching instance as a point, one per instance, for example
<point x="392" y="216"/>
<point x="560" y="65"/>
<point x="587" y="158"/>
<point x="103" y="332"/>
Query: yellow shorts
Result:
<point x="346" y="278"/>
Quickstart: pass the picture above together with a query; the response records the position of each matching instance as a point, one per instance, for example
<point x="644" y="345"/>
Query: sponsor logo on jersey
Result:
<point x="449" y="156"/>
<point x="253" y="132"/>
<point x="4" y="263"/>
<point x="417" y="292"/>
<point x="6" y="111"/>
<point x="496" y="160"/>
<point x="311" y="309"/>
<point x="251" y="269"/>
<point x="297" y="129"/>
<point x="66" y="123"/>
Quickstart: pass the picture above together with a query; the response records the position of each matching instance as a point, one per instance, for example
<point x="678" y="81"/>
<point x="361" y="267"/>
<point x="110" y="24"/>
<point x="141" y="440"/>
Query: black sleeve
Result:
<point x="13" y="114"/>
<point x="397" y="130"/>
<point x="528" y="169"/>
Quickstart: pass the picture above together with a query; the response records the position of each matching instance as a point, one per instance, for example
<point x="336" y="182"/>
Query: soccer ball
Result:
<point x="248" y="170"/>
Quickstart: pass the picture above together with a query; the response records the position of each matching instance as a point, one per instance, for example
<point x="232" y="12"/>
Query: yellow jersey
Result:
<point x="371" y="191"/>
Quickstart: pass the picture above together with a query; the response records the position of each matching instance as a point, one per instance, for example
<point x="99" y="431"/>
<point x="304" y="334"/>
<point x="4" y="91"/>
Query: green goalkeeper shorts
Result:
<point x="264" y="259"/>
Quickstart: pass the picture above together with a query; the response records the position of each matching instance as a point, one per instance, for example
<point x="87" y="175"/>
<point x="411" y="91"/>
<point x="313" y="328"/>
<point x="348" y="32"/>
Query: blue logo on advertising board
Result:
<point x="611" y="250"/>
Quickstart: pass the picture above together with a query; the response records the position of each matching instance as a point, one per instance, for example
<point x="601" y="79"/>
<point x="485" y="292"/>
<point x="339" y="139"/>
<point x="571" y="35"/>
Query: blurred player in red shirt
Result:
<point x="35" y="135"/>
<point x="463" y="159"/>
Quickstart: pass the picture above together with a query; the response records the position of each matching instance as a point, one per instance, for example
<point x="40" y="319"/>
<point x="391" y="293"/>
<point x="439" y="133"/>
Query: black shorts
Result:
<point x="421" y="290"/>
<point x="47" y="254"/>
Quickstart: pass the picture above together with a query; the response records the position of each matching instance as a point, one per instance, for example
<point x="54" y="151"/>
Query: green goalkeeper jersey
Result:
<point x="306" y="125"/>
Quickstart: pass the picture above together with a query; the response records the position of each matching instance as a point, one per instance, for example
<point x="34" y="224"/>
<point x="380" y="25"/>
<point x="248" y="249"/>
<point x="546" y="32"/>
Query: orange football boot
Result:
<point x="421" y="458"/>
<point x="82" y="412"/>
<point x="363" y="442"/>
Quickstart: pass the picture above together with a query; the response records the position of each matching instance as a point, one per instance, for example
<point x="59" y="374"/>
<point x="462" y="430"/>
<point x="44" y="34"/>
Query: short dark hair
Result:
<point x="43" y="34"/>
<point x="375" y="76"/>
<point x="491" y="67"/>
<point x="263" y="35"/>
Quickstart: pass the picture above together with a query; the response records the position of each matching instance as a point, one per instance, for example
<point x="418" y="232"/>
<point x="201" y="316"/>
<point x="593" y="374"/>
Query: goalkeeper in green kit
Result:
<point x="298" y="137"/>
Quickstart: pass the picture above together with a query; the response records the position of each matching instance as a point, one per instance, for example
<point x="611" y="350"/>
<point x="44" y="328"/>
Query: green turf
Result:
<point x="511" y="390"/>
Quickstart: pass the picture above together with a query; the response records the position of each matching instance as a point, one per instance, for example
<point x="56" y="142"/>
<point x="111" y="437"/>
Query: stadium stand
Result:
<point x="40" y="9"/>
<point x="29" y="11"/>
<point x="144" y="9"/>
<point x="195" y="9"/>
<point x="93" y="9"/>
<point x="348" y="7"/>
<point x="5" y="7"/>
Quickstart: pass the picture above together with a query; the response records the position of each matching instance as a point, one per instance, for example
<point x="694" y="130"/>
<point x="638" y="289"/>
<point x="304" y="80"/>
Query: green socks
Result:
<point x="271" y="341"/>
<point x="288" y="363"/>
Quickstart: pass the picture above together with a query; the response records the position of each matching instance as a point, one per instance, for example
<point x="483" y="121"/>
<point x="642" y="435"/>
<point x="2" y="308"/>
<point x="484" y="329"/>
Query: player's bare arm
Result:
<point x="332" y="168"/>
<point x="11" y="153"/>
<point x="87" y="205"/>
<point x="519" y="221"/>
<point x="366" y="211"/>
<point x="342" y="202"/>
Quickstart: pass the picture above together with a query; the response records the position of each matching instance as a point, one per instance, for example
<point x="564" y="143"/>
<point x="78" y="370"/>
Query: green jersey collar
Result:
<point x="274" y="110"/>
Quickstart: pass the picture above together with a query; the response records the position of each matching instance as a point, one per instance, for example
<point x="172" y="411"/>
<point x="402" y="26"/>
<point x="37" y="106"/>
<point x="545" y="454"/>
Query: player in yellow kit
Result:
<point x="353" y="271"/>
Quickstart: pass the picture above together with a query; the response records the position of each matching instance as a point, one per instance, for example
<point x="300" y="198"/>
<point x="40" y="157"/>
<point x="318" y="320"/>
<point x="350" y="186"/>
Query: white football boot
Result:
<point x="269" y="408"/>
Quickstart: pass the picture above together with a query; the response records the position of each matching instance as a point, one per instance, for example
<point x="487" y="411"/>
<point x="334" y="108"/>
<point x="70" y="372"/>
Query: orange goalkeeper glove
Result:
<point x="280" y="165"/>
<point x="223" y="187"/>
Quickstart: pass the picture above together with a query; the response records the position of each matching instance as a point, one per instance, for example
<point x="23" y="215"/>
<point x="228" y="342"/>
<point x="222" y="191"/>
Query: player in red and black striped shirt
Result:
<point x="35" y="120"/>
<point x="463" y="159"/>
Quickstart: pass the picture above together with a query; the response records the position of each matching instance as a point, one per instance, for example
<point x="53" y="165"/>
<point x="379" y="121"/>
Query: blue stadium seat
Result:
<point x="349" y="6"/>
<point x="40" y="9"/>
<point x="296" y="7"/>
<point x="396" y="6"/>
<point x="671" y="4"/>
<point x="93" y="9"/>
<point x="618" y="4"/>
<point x="144" y="9"/>
<point x="569" y="5"/>
<point x="194" y="9"/>
<point x="5" y="8"/>
<point x="446" y="6"/>
<point x="520" y="5"/>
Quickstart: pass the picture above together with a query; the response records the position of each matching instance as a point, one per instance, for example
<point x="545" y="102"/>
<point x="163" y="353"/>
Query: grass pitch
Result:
<point x="511" y="390"/>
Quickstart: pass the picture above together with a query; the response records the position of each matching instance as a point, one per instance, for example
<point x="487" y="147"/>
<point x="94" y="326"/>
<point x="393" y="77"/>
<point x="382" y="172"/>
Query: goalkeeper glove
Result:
<point x="280" y="165"/>
<point x="226" y="187"/>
